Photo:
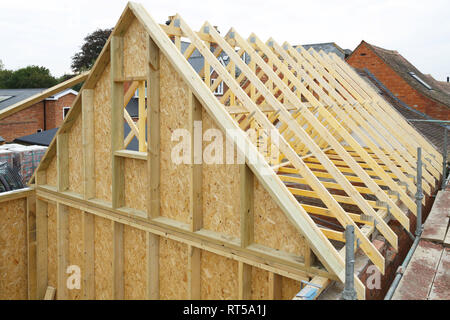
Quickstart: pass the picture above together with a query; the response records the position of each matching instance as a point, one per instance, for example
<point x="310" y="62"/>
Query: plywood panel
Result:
<point x="13" y="250"/>
<point x="102" y="131"/>
<point x="134" y="263"/>
<point x="103" y="258"/>
<point x="219" y="277"/>
<point x="272" y="228"/>
<point x="136" y="184"/>
<point x="51" y="243"/>
<point x="135" y="50"/>
<point x="76" y="157"/>
<point x="173" y="263"/>
<point x="52" y="173"/>
<point x="75" y="248"/>
<point x="174" y="104"/>
<point x="220" y="191"/>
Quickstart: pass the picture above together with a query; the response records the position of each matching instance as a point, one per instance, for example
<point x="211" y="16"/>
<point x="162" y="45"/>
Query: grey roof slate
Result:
<point x="17" y="95"/>
<point x="328" y="47"/>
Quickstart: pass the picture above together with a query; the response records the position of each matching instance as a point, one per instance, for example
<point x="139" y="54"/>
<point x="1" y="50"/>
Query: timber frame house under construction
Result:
<point x="142" y="227"/>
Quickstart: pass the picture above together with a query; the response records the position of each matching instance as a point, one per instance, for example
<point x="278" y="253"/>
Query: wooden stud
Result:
<point x="88" y="143"/>
<point x="41" y="248"/>
<point x="153" y="124"/>
<point x="31" y="247"/>
<point x="245" y="281"/>
<point x="152" y="266"/>
<point x="62" y="161"/>
<point x="142" y="117"/>
<point x="62" y="232"/>
<point x="118" y="261"/>
<point x="194" y="287"/>
<point x="246" y="209"/>
<point x="117" y="129"/>
<point x="88" y="230"/>
<point x="195" y="180"/>
<point x="275" y="286"/>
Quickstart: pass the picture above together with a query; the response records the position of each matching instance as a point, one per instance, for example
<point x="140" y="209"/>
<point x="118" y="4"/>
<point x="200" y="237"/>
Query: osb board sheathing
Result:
<point x="135" y="50"/>
<point x="219" y="277"/>
<point x="52" y="266"/>
<point x="269" y="217"/>
<point x="220" y="191"/>
<point x="103" y="258"/>
<point x="136" y="184"/>
<point x="173" y="262"/>
<point x="174" y="115"/>
<point x="260" y="284"/>
<point x="102" y="129"/>
<point x="51" y="173"/>
<point x="135" y="268"/>
<point x="75" y="248"/>
<point x="13" y="250"/>
<point x="76" y="157"/>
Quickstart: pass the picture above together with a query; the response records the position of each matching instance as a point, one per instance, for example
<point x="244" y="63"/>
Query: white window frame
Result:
<point x="219" y="89"/>
<point x="64" y="113"/>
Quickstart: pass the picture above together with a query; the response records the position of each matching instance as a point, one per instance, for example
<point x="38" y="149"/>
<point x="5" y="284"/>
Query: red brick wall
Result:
<point x="22" y="123"/>
<point x="55" y="110"/>
<point x="364" y="57"/>
<point x="29" y="120"/>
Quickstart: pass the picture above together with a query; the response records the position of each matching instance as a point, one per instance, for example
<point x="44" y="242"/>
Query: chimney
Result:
<point x="169" y="20"/>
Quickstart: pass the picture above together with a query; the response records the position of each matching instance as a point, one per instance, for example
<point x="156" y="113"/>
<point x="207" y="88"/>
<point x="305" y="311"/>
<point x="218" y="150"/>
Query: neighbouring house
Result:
<point x="328" y="47"/>
<point x="434" y="132"/>
<point x="43" y="115"/>
<point x="417" y="90"/>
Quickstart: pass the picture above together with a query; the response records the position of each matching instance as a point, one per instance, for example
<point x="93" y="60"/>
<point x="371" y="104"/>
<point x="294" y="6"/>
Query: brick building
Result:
<point x="43" y="115"/>
<point x="405" y="81"/>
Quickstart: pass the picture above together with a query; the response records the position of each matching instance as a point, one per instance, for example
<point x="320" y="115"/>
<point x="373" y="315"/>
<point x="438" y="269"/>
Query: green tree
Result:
<point x="28" y="77"/>
<point x="93" y="45"/>
<point x="2" y="66"/>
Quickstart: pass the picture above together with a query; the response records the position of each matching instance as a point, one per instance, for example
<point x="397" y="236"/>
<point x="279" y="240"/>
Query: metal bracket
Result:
<point x="380" y="203"/>
<point x="394" y="193"/>
<point x="404" y="184"/>
<point x="304" y="282"/>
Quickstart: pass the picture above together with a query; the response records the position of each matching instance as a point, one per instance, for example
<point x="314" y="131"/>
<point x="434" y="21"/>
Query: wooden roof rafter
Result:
<point x="262" y="120"/>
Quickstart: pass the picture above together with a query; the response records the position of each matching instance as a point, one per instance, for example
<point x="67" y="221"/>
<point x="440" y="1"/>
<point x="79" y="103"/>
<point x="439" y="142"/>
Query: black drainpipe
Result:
<point x="45" y="116"/>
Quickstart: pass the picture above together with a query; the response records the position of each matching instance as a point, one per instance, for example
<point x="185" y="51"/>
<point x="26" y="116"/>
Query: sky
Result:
<point x="50" y="32"/>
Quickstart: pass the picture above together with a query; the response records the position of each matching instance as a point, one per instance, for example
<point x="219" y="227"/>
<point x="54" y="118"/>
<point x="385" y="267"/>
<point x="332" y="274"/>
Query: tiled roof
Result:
<point x="433" y="132"/>
<point x="403" y="68"/>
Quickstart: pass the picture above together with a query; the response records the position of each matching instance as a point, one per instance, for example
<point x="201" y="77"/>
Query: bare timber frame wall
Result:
<point x="140" y="226"/>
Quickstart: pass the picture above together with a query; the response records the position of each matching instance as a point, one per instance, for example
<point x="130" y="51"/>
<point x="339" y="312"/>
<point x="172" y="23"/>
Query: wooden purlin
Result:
<point x="365" y="156"/>
<point x="209" y="101"/>
<point x="348" y="187"/>
<point x="353" y="110"/>
<point x="348" y="138"/>
<point x="396" y="146"/>
<point x="382" y="105"/>
<point x="388" y="115"/>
